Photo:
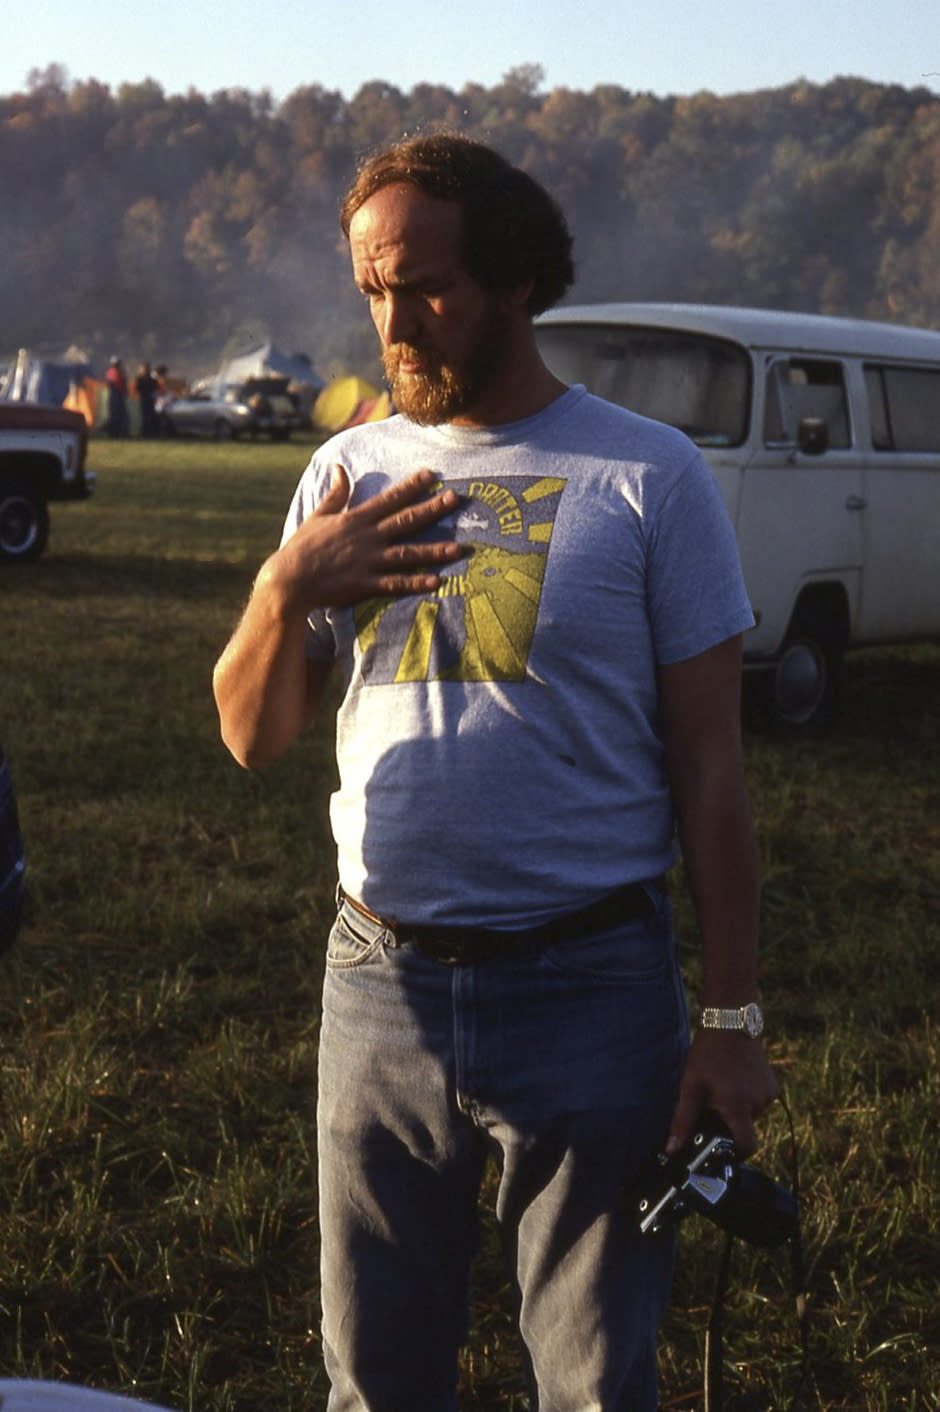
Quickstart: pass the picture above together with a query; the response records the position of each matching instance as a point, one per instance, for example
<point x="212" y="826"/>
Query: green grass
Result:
<point x="158" y="1018"/>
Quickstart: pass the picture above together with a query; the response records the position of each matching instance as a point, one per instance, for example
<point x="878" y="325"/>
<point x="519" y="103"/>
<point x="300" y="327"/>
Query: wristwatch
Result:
<point x="746" y="1017"/>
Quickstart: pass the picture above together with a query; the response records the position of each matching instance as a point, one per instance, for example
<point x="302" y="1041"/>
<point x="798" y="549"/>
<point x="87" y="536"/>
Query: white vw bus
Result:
<point x="824" y="435"/>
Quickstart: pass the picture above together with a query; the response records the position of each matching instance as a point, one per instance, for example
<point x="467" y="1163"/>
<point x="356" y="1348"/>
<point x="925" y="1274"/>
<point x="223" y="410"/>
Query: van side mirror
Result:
<point x="812" y="436"/>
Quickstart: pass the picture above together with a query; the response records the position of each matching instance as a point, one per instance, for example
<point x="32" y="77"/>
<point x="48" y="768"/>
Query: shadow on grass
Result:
<point x="885" y="691"/>
<point x="888" y="694"/>
<point x="131" y="575"/>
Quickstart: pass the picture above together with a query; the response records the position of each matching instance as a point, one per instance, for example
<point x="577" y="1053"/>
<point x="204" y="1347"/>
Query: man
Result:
<point x="536" y="605"/>
<point x="146" y="388"/>
<point x="117" y="423"/>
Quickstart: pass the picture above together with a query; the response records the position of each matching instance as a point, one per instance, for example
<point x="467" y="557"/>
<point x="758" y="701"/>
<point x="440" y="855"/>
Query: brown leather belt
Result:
<point x="465" y="946"/>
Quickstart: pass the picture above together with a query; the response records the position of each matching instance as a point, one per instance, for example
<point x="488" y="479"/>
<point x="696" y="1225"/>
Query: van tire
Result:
<point x="24" y="522"/>
<point x="807" y="677"/>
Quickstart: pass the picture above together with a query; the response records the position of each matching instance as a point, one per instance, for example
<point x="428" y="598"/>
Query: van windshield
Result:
<point x="696" y="383"/>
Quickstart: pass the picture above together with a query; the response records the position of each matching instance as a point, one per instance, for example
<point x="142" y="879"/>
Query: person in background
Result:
<point x="118" y="423"/>
<point x="534" y="603"/>
<point x="146" y="388"/>
<point x="164" y="393"/>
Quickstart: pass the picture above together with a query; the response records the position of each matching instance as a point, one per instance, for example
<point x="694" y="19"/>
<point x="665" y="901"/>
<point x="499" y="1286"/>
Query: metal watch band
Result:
<point x="744" y="1017"/>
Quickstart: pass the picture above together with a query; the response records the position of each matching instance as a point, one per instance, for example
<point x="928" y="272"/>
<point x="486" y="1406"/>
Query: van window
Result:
<point x="692" y="381"/>
<point x="904" y="404"/>
<point x="878" y="409"/>
<point x="798" y="388"/>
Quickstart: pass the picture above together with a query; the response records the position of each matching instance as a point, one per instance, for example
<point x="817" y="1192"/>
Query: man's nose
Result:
<point x="398" y="320"/>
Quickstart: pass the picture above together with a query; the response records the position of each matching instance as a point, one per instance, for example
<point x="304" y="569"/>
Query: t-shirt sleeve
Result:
<point x="695" y="587"/>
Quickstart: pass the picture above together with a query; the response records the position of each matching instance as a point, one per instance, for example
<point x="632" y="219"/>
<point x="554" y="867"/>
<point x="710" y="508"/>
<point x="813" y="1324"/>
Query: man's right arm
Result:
<point x="266" y="689"/>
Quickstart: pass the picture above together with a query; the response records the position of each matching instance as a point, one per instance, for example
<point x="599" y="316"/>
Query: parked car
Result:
<point x="824" y="436"/>
<point x="260" y="406"/>
<point x="42" y="458"/>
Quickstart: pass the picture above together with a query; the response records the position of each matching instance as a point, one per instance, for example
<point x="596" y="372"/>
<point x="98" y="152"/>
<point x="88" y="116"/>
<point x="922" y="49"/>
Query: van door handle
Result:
<point x="856" y="502"/>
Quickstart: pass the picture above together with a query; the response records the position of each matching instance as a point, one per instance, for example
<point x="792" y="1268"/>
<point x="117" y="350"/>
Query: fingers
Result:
<point x="740" y="1125"/>
<point x="403" y="585"/>
<point x="337" y="495"/>
<point x="341" y="555"/>
<point x="731" y="1075"/>
<point x="406" y="507"/>
<point x="377" y="507"/>
<point x="402" y="510"/>
<point x="738" y="1121"/>
<point x="418" y="517"/>
<point x="403" y="555"/>
<point x="406" y="568"/>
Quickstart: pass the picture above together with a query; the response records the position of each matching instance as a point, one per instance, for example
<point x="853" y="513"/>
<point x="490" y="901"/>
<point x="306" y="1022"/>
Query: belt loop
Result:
<point x="390" y="937"/>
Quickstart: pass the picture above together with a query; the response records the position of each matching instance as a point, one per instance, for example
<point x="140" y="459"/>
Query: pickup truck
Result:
<point x="43" y="451"/>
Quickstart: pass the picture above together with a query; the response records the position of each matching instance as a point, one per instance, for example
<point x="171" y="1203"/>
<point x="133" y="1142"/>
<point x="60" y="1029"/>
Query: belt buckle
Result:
<point x="449" y="955"/>
<point x="448" y="952"/>
<point x="437" y="945"/>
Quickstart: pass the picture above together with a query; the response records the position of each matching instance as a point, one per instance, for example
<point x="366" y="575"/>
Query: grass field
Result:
<point x="158" y="1018"/>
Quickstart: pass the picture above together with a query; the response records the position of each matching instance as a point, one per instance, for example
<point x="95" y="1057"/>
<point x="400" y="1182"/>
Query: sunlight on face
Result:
<point x="447" y="388"/>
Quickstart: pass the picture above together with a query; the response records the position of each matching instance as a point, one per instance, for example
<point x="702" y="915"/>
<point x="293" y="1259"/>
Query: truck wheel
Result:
<point x="24" y="523"/>
<point x="807" y="679"/>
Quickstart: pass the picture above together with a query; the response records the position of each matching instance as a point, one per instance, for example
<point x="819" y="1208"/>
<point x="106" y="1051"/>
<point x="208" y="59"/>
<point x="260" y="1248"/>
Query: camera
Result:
<point x="707" y="1177"/>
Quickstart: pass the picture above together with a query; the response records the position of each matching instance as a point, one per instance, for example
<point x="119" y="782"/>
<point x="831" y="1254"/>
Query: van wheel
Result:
<point x="24" y="522"/>
<point x="807" y="679"/>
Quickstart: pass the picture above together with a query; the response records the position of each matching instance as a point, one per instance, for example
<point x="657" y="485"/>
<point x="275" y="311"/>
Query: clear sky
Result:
<point x="657" y="46"/>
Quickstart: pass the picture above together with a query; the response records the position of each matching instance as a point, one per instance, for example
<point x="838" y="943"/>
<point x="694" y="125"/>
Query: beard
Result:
<point x="443" y="391"/>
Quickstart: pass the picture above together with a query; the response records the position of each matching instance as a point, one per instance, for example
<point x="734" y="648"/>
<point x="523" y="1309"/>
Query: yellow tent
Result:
<point x="379" y="409"/>
<point x="346" y="401"/>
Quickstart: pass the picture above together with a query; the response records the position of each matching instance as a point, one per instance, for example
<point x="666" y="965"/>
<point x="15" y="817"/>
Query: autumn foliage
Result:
<point x="181" y="226"/>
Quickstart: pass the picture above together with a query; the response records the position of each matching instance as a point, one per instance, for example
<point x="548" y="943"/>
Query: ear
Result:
<point x="517" y="298"/>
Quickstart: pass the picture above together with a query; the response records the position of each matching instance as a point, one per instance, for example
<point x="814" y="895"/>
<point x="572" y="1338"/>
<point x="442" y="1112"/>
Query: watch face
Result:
<point x="753" y="1020"/>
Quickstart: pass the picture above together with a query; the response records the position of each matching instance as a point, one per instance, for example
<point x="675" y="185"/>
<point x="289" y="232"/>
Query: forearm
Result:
<point x="262" y="681"/>
<point x="725" y="1070"/>
<point x="704" y="758"/>
<point x="722" y="869"/>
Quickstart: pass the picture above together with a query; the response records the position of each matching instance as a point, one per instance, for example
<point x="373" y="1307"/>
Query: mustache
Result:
<point x="399" y="353"/>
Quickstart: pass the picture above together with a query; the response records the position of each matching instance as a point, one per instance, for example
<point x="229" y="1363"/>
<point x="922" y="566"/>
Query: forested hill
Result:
<point x="180" y="227"/>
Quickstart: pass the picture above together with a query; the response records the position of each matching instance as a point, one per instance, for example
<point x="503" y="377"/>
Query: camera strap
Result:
<point x="714" y="1339"/>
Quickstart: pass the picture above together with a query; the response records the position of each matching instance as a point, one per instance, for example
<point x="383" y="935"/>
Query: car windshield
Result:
<point x="696" y="383"/>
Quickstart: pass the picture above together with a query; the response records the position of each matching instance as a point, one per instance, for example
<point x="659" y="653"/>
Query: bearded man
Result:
<point x="536" y="606"/>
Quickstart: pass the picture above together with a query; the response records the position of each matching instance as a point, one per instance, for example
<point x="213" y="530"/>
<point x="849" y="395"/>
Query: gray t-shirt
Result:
<point x="498" y="740"/>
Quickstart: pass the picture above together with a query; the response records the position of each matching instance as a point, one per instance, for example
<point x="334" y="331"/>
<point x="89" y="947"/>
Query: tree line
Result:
<point x="186" y="227"/>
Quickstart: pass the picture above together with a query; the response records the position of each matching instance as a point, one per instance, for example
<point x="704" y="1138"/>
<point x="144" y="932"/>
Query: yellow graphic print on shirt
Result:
<point x="478" y="625"/>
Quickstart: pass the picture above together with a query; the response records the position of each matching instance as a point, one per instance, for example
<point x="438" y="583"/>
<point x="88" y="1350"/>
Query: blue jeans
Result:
<point x="565" y="1065"/>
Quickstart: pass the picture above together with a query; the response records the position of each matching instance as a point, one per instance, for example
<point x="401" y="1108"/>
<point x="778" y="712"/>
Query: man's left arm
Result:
<point x="701" y="711"/>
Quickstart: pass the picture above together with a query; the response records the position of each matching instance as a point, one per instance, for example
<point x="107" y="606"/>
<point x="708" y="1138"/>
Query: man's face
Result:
<point x="443" y="336"/>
